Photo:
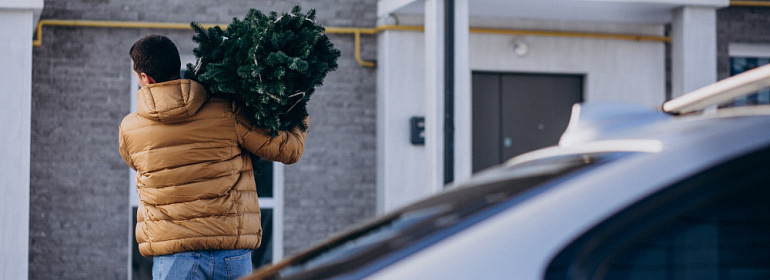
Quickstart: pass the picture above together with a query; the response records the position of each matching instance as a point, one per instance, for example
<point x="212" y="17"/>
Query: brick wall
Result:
<point x="334" y="184"/>
<point x="78" y="196"/>
<point x="740" y="25"/>
<point x="79" y="216"/>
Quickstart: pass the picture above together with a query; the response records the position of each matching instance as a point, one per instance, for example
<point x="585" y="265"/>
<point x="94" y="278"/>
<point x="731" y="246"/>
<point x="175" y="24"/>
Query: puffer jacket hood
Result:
<point x="170" y="101"/>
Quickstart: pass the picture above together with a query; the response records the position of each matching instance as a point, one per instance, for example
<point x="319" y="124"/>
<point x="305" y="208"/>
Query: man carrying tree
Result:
<point x="199" y="215"/>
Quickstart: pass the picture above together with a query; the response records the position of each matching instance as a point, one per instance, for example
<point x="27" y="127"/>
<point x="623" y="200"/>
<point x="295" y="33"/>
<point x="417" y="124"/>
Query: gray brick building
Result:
<point x="742" y="25"/>
<point x="80" y="208"/>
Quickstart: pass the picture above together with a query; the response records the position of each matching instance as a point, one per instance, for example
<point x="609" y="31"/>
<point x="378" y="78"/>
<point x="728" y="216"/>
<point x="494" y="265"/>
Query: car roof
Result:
<point x="558" y="212"/>
<point x="669" y="146"/>
<point x="686" y="133"/>
<point x="688" y="138"/>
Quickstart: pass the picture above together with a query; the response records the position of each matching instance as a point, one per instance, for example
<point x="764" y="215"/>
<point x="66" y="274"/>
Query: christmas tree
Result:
<point x="271" y="64"/>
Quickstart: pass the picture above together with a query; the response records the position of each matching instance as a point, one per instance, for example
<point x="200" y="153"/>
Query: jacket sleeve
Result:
<point x="123" y="150"/>
<point x="287" y="147"/>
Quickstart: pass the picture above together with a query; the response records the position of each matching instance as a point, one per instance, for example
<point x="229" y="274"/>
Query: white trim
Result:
<point x="278" y="187"/>
<point x="132" y="193"/>
<point x="266" y="202"/>
<point x="748" y="50"/>
<point x="463" y="154"/>
<point x="133" y="196"/>
<point x="15" y="139"/>
<point x="693" y="49"/>
<point x="434" y="93"/>
<point x="29" y="5"/>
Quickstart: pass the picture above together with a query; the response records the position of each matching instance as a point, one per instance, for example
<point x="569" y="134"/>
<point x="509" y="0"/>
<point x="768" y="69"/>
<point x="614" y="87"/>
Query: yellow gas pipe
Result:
<point x="750" y="3"/>
<point x="356" y="31"/>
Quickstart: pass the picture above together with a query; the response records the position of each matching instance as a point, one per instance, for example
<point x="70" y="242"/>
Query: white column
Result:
<point x="401" y="165"/>
<point x="18" y="22"/>
<point x="463" y="98"/>
<point x="434" y="92"/>
<point x="693" y="49"/>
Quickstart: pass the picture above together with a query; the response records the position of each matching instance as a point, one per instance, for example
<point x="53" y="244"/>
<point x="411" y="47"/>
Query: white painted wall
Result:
<point x="18" y="22"/>
<point x="624" y="71"/>
<point x="401" y="166"/>
<point x="615" y="70"/>
<point x="434" y="92"/>
<point x="462" y="100"/>
<point x="693" y="49"/>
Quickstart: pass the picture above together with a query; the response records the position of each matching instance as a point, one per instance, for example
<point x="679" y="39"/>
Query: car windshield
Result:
<point x="420" y="224"/>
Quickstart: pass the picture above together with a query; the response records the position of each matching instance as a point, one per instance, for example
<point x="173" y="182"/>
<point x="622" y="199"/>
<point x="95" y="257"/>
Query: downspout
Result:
<point x="449" y="89"/>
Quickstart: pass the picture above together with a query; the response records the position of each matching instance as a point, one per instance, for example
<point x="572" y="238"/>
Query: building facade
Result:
<point x="66" y="97"/>
<point x="80" y="190"/>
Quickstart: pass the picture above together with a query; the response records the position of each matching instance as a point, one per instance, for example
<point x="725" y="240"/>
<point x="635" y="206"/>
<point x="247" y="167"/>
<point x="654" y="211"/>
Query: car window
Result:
<point x="714" y="225"/>
<point x="366" y="248"/>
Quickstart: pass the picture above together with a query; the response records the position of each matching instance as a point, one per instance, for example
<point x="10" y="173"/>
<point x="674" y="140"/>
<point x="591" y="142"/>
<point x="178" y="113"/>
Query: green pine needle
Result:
<point x="263" y="58"/>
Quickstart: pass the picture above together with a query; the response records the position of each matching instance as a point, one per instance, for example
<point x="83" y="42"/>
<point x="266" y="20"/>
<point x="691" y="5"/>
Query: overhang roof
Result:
<point x="628" y="11"/>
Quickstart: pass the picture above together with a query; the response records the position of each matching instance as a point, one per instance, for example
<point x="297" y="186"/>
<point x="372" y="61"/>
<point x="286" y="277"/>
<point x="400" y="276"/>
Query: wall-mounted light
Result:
<point x="519" y="46"/>
<point x="392" y="19"/>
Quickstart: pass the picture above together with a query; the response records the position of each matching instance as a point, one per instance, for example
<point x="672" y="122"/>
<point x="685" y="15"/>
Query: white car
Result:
<point x="629" y="193"/>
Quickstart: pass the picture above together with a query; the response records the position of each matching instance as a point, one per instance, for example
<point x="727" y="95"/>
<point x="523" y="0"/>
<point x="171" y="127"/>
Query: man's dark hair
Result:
<point x="156" y="56"/>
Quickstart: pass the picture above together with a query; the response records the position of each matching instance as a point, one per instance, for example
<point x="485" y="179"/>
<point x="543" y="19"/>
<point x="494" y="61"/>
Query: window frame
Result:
<point x="749" y="51"/>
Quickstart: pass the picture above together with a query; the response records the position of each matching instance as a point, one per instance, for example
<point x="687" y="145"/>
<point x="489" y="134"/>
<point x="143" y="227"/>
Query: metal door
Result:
<point x="515" y="113"/>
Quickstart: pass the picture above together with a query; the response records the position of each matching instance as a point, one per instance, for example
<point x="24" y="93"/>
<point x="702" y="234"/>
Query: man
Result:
<point x="199" y="215"/>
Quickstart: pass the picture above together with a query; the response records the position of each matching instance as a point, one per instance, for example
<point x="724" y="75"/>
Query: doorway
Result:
<point x="514" y="113"/>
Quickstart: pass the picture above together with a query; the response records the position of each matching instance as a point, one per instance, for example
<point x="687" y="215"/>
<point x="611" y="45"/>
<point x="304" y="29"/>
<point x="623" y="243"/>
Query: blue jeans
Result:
<point x="205" y="264"/>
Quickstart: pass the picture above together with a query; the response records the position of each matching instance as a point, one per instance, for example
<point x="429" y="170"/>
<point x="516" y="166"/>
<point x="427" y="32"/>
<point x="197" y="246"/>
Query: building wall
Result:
<point x="619" y="71"/>
<point x="401" y="169"/>
<point x="740" y="25"/>
<point x="615" y="71"/>
<point x="80" y="86"/>
<point x="79" y="218"/>
<point x="333" y="185"/>
<point x="78" y="215"/>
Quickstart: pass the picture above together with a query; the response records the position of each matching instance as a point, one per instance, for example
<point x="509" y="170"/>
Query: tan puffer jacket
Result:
<point x="194" y="173"/>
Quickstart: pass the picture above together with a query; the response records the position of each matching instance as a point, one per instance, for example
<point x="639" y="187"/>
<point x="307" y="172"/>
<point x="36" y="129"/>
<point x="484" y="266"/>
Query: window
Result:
<point x="744" y="57"/>
<point x="269" y="181"/>
<point x="715" y="225"/>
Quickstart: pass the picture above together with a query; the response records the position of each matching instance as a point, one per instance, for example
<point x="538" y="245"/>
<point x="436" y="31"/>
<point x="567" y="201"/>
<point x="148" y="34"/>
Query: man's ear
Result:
<point x="147" y="79"/>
